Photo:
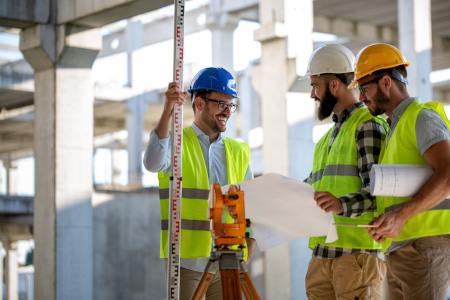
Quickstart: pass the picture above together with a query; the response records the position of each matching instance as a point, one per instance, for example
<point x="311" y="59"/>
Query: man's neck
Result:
<point x="394" y="104"/>
<point x="343" y="105"/>
<point x="206" y="130"/>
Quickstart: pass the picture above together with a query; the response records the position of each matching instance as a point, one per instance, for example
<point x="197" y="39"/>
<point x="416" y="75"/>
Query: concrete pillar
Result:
<point x="135" y="109"/>
<point x="270" y="80"/>
<point x="300" y="107"/>
<point x="134" y="41"/>
<point x="11" y="177"/>
<point x="250" y="107"/>
<point x="222" y="26"/>
<point x="287" y="122"/>
<point x="62" y="57"/>
<point x="414" y="32"/>
<point x="12" y="275"/>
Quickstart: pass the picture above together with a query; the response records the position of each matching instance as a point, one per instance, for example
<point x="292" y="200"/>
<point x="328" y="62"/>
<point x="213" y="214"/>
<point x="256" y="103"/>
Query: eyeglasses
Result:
<point x="222" y="105"/>
<point x="361" y="89"/>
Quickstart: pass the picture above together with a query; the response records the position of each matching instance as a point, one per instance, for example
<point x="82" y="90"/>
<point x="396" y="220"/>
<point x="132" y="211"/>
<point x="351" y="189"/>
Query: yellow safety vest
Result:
<point x="402" y="149"/>
<point x="337" y="172"/>
<point x="195" y="226"/>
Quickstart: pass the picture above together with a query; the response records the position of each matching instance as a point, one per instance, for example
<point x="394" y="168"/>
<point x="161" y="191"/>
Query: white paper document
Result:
<point x="282" y="209"/>
<point x="398" y="180"/>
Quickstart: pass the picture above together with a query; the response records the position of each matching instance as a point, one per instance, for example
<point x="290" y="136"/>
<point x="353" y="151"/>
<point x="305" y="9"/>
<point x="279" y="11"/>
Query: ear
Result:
<point x="334" y="86"/>
<point x="386" y="83"/>
<point x="199" y="104"/>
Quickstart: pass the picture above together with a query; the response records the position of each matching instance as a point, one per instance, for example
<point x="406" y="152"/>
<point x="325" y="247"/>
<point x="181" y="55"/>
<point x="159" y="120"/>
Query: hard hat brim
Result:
<point x="354" y="83"/>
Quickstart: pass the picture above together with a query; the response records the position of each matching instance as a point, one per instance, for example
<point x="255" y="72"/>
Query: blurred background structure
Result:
<point x="82" y="84"/>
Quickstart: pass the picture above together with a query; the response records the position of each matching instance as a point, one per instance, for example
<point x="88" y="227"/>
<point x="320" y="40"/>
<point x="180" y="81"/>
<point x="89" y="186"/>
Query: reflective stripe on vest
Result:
<point x="187" y="193"/>
<point x="402" y="149"/>
<point x="337" y="172"/>
<point x="195" y="226"/>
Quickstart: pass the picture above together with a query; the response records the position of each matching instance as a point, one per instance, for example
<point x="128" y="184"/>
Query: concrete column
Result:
<point x="270" y="80"/>
<point x="222" y="26"/>
<point x="134" y="114"/>
<point x="12" y="275"/>
<point x="300" y="107"/>
<point x="287" y="121"/>
<point x="133" y="36"/>
<point x="250" y="116"/>
<point x="135" y="109"/>
<point x="62" y="57"/>
<point x="414" y="32"/>
<point x="11" y="177"/>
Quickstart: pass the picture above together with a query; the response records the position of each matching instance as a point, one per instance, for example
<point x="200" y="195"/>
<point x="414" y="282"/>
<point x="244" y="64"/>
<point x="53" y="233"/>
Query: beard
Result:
<point x="326" y="105"/>
<point x="209" y="119"/>
<point x="380" y="103"/>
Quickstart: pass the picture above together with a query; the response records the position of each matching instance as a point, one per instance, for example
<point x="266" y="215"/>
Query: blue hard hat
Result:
<point x="214" y="79"/>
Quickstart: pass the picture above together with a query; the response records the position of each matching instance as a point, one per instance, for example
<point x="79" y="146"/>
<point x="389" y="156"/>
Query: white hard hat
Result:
<point x="332" y="59"/>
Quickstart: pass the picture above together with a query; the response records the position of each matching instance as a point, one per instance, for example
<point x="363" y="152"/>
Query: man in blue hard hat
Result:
<point x="208" y="157"/>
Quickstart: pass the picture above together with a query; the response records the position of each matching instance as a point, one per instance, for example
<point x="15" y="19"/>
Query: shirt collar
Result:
<point x="347" y="112"/>
<point x="400" y="109"/>
<point x="200" y="134"/>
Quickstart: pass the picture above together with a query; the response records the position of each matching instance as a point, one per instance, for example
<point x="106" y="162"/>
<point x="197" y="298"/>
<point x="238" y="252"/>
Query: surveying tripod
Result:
<point x="233" y="269"/>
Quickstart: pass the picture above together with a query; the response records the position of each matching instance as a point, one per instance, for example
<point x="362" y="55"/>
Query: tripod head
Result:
<point x="227" y="234"/>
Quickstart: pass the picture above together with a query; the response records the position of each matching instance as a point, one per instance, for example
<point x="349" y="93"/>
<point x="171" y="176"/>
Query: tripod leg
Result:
<point x="248" y="287"/>
<point x="206" y="280"/>
<point x="231" y="288"/>
<point x="202" y="286"/>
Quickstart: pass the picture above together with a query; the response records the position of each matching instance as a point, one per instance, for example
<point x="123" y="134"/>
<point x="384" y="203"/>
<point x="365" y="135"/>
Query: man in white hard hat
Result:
<point x="351" y="267"/>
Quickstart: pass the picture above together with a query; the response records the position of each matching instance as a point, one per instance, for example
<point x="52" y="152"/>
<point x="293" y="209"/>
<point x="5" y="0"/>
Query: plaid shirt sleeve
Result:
<point x="369" y="139"/>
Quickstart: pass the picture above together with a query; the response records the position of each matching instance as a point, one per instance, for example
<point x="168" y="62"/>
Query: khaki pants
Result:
<point x="189" y="281"/>
<point x="351" y="276"/>
<point x="420" y="270"/>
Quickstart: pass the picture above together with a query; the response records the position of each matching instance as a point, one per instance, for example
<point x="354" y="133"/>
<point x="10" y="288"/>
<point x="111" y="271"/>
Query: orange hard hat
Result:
<point x="376" y="57"/>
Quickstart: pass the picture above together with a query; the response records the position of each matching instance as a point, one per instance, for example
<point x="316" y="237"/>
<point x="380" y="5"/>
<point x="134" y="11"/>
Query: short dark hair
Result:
<point x="201" y="94"/>
<point x="391" y="72"/>
<point x="345" y="78"/>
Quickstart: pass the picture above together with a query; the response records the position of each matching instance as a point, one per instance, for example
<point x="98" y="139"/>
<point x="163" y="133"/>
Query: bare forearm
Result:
<point x="437" y="188"/>
<point x="432" y="193"/>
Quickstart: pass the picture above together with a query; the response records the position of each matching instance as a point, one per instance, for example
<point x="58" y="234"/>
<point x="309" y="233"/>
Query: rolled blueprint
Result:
<point x="398" y="180"/>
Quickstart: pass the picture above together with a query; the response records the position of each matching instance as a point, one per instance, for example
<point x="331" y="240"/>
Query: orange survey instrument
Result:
<point x="233" y="270"/>
<point x="225" y="234"/>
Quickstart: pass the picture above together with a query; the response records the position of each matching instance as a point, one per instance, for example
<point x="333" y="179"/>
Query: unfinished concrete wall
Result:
<point x="126" y="246"/>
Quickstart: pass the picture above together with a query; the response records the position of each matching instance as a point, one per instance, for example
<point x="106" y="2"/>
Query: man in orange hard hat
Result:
<point x="414" y="231"/>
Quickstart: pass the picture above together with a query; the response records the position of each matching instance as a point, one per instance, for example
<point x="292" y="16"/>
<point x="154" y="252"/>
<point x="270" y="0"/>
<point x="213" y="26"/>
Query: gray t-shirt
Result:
<point x="430" y="129"/>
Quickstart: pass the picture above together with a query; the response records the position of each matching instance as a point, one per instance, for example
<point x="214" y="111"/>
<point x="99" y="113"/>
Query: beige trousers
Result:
<point x="354" y="276"/>
<point x="420" y="270"/>
<point x="189" y="281"/>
